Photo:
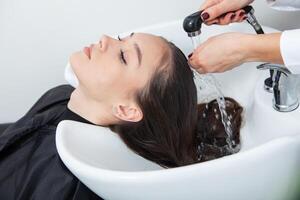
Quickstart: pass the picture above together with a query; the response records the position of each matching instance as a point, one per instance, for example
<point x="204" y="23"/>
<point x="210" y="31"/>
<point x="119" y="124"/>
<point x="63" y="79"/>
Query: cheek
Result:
<point x="107" y="71"/>
<point x="116" y="82"/>
<point x="85" y="69"/>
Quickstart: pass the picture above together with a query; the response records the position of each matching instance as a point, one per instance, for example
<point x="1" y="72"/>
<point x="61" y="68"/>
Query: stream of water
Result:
<point x="208" y="89"/>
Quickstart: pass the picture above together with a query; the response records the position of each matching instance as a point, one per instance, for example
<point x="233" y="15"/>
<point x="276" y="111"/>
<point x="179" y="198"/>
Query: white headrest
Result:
<point x="70" y="76"/>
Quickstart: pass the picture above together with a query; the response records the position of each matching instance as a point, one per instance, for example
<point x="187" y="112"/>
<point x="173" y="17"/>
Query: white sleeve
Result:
<point x="288" y="5"/>
<point x="70" y="76"/>
<point x="290" y="50"/>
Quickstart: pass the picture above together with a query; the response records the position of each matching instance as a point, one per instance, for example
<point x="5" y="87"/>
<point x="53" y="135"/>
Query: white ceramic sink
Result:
<point x="266" y="168"/>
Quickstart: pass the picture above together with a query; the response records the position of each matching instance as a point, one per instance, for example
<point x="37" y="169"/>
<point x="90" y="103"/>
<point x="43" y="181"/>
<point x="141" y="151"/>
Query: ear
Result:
<point x="130" y="113"/>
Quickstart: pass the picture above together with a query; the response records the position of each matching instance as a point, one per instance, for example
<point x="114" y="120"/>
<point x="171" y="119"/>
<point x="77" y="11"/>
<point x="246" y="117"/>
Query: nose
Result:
<point x="104" y="42"/>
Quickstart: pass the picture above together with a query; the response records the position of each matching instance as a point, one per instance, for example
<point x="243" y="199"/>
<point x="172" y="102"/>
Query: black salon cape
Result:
<point x="30" y="167"/>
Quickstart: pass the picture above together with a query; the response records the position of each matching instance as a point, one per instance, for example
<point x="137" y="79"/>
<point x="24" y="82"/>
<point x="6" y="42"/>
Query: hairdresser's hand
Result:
<point x="226" y="51"/>
<point x="214" y="11"/>
<point x="220" y="53"/>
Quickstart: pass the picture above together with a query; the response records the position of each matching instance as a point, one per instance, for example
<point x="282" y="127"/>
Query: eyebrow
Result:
<point x="138" y="51"/>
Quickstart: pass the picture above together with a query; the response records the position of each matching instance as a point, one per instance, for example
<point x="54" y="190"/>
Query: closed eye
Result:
<point x="122" y="57"/>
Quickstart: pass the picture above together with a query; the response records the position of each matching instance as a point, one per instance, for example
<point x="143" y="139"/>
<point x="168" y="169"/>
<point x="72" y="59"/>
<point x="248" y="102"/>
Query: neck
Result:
<point x="94" y="111"/>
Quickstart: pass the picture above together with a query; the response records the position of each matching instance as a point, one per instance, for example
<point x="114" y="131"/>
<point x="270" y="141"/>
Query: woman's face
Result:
<point x="113" y="70"/>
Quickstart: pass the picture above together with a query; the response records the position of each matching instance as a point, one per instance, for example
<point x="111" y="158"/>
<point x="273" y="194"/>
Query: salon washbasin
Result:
<point x="266" y="168"/>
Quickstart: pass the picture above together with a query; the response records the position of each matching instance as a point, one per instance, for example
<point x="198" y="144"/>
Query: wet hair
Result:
<point x="175" y="130"/>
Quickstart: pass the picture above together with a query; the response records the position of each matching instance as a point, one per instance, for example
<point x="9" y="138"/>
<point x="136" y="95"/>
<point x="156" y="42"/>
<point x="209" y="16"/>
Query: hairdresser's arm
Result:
<point x="226" y="51"/>
<point x="290" y="48"/>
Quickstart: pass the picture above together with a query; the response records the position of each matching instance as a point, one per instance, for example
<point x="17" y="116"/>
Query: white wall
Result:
<point x="37" y="36"/>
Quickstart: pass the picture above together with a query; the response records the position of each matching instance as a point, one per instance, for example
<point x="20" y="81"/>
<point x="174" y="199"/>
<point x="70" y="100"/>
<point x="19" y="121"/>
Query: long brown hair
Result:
<point x="173" y="127"/>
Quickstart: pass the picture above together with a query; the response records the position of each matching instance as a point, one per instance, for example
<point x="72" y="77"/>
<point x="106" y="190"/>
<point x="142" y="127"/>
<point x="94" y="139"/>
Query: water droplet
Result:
<point x="214" y="127"/>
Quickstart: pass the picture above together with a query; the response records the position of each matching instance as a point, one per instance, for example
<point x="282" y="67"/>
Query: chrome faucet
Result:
<point x="285" y="87"/>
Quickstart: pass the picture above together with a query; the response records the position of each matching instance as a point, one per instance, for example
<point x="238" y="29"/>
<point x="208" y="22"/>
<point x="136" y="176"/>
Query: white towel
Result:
<point x="70" y="76"/>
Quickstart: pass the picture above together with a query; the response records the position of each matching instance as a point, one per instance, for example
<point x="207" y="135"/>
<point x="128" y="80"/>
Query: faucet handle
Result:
<point x="276" y="67"/>
<point x="284" y="85"/>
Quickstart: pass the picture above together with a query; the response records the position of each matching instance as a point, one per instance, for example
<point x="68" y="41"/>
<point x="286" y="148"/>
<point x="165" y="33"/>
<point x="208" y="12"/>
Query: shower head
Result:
<point x="192" y="24"/>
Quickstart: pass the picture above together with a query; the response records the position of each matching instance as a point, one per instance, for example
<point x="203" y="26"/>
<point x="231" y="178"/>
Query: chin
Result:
<point x="78" y="60"/>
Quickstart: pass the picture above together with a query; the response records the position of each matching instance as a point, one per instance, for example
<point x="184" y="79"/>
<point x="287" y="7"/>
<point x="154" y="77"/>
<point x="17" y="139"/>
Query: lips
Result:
<point x="87" y="51"/>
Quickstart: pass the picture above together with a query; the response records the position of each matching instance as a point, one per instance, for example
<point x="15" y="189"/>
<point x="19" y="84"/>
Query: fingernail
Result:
<point x="215" y="23"/>
<point x="232" y="16"/>
<point x="205" y="16"/>
<point x="241" y="14"/>
<point x="245" y="17"/>
<point x="190" y="55"/>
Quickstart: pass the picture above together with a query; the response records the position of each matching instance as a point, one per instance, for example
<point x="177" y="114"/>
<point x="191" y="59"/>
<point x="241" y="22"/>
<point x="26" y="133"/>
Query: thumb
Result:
<point x="215" y="11"/>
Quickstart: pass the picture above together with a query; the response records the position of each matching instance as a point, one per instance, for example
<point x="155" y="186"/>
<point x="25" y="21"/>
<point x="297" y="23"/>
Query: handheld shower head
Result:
<point x="192" y="24"/>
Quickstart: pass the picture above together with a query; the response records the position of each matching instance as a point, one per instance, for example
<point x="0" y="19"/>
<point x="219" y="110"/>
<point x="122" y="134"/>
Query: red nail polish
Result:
<point x="245" y="17"/>
<point x="232" y="16"/>
<point x="205" y="16"/>
<point x="241" y="14"/>
<point x="190" y="55"/>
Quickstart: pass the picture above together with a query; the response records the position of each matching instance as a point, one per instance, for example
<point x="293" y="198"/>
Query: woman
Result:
<point x="280" y="48"/>
<point x="142" y="88"/>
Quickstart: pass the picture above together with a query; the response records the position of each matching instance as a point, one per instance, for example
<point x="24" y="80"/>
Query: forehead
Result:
<point x="153" y="48"/>
<point x="149" y="39"/>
